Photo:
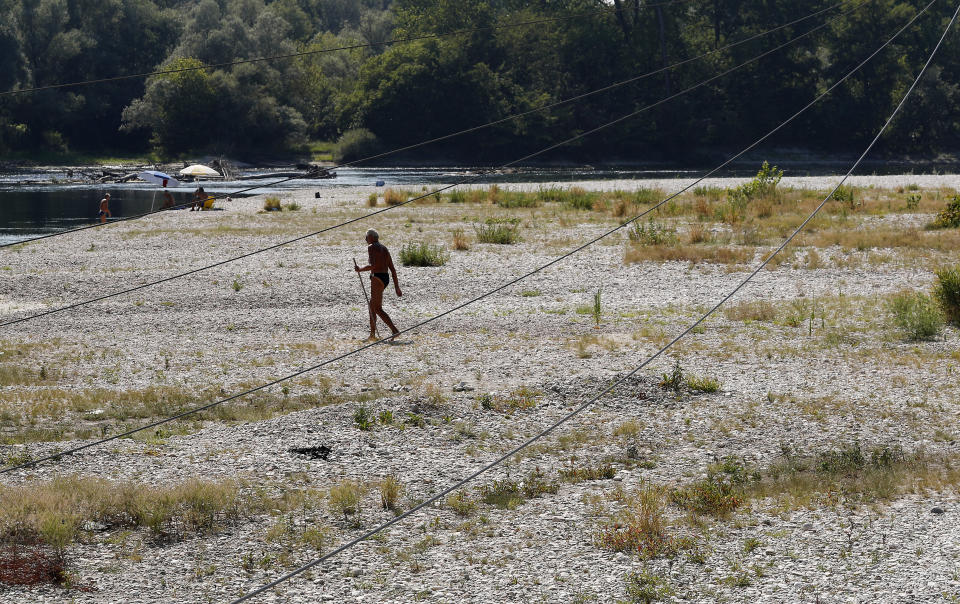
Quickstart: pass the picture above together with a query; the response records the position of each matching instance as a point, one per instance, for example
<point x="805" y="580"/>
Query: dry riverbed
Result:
<point x="796" y="447"/>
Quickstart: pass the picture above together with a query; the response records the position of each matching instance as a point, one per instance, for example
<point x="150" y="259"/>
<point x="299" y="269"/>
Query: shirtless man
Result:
<point x="380" y="261"/>
<point x="105" y="208"/>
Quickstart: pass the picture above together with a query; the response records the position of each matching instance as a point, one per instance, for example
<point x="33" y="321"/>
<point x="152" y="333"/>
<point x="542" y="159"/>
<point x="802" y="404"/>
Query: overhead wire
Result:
<point x="486" y="294"/>
<point x="305" y="53"/>
<point x="457" y="133"/>
<point x="434" y="192"/>
<point x="614" y="384"/>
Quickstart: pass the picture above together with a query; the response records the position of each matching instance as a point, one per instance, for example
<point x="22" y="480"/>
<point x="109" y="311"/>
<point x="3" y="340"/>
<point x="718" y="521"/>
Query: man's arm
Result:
<point x="369" y="266"/>
<point x="393" y="269"/>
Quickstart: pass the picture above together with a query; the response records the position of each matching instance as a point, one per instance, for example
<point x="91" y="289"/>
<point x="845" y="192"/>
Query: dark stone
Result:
<point x="320" y="452"/>
<point x="937" y="510"/>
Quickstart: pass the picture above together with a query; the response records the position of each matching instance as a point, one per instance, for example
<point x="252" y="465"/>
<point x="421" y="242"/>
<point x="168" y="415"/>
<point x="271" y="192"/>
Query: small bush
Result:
<point x="913" y="202"/>
<point x="457" y="197"/>
<point x="947" y="293"/>
<point x="503" y="231"/>
<point x="345" y="498"/>
<point x="581" y="199"/>
<point x="645" y="588"/>
<point x="641" y="529"/>
<point x="460" y="241"/>
<point x="293" y="206"/>
<point x="708" y="497"/>
<point x="703" y="384"/>
<point x="390" y="490"/>
<point x="422" y="254"/>
<point x="652" y="234"/>
<point x="363" y="418"/>
<point x="462" y="504"/>
<point x="601" y="472"/>
<point x="916" y="314"/>
<point x="356" y="144"/>
<point x="393" y="198"/>
<point x="845" y="195"/>
<point x="674" y="379"/>
<point x="386" y="417"/>
<point x="372" y="200"/>
<point x="508" y="494"/>
<point x="272" y="204"/>
<point x="515" y="199"/>
<point x="949" y="217"/>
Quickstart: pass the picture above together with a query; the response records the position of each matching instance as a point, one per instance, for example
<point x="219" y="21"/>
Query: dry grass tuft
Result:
<point x="392" y="197"/>
<point x="690" y="253"/>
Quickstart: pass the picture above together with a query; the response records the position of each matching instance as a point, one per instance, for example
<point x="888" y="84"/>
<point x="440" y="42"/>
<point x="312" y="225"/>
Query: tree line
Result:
<point x="385" y="96"/>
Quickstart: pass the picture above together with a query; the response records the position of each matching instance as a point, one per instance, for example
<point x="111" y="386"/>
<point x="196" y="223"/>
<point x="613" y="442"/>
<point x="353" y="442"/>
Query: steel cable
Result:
<point x="435" y="191"/>
<point x="485" y="294"/>
<point x="619" y="381"/>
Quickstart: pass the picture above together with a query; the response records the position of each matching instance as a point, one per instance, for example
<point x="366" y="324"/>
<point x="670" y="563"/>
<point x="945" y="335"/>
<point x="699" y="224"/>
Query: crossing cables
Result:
<point x="487" y="293"/>
<point x="471" y="129"/>
<point x="438" y="190"/>
<point x="616" y="383"/>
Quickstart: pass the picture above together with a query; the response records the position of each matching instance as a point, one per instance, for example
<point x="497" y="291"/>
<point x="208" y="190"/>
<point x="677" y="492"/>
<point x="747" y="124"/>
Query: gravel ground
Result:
<point x="843" y="378"/>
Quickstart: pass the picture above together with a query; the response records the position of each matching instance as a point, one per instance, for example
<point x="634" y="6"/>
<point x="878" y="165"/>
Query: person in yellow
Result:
<point x="200" y="199"/>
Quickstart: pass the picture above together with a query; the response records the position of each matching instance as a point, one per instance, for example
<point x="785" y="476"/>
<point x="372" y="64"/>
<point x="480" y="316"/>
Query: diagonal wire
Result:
<point x="305" y="53"/>
<point x="619" y="381"/>
<point x="483" y="295"/>
<point x="465" y="131"/>
<point x="435" y="191"/>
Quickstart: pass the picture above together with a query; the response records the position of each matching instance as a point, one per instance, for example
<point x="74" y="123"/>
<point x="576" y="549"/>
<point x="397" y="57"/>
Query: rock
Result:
<point x="937" y="510"/>
<point x="463" y="387"/>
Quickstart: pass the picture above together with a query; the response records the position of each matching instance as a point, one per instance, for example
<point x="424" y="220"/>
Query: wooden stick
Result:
<point x="367" y="298"/>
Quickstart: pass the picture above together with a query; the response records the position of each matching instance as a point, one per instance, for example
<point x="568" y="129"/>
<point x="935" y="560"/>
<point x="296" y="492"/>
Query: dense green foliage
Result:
<point x="407" y="92"/>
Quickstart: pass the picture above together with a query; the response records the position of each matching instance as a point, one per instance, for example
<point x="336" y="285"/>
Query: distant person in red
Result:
<point x="105" y="208"/>
<point x="380" y="262"/>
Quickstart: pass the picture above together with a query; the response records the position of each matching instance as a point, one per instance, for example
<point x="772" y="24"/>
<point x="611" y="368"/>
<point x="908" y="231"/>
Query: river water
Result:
<point x="35" y="202"/>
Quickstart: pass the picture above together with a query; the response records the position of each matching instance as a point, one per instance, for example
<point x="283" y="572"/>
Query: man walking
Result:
<point x="105" y="208"/>
<point x="379" y="262"/>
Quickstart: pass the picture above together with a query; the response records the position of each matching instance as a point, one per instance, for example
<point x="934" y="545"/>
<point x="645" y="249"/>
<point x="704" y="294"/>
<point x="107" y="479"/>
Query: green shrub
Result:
<point x="652" y="234"/>
<point x="845" y="195"/>
<point x="913" y="201"/>
<point x="581" y="199"/>
<point x="947" y="293"/>
<point x="763" y="185"/>
<point x="674" y="379"/>
<point x="457" y="197"/>
<point x="462" y="504"/>
<point x="363" y="418"/>
<point x="515" y="199"/>
<point x="502" y="231"/>
<point x="949" y="217"/>
<point x="916" y="314"/>
<point x="272" y="204"/>
<point x="356" y="144"/>
<point x="703" y="384"/>
<point x="422" y="254"/>
<point x="645" y="588"/>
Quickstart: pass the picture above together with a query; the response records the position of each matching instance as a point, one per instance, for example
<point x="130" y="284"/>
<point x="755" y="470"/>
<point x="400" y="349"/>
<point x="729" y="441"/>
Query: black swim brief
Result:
<point x="385" y="277"/>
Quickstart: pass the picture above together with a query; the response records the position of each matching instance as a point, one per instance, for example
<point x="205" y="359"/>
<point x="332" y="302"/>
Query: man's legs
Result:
<point x="376" y="306"/>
